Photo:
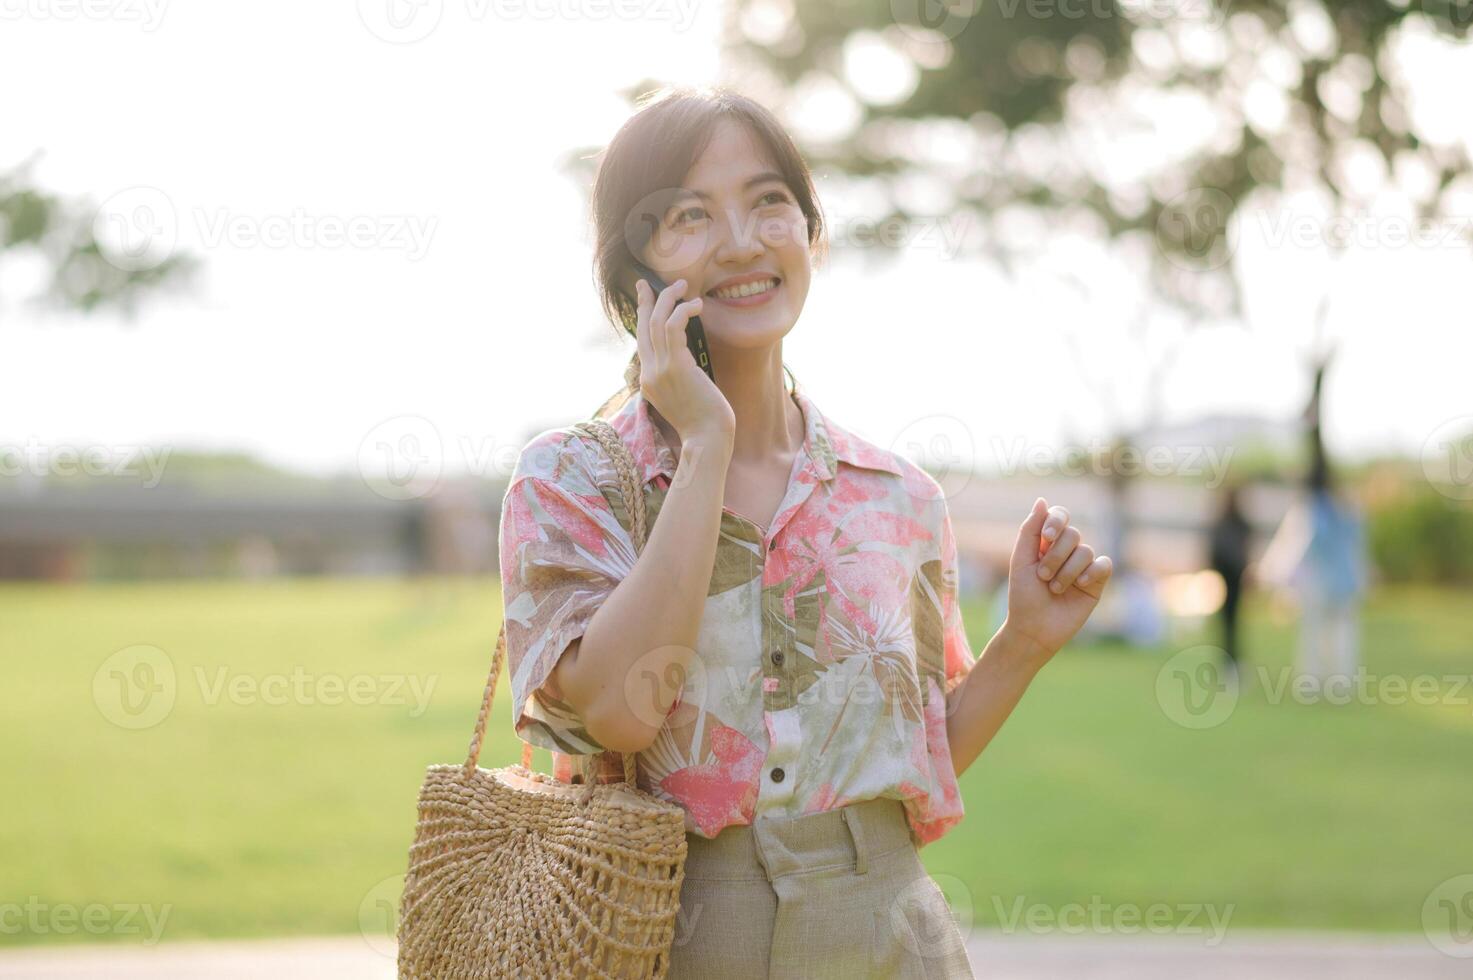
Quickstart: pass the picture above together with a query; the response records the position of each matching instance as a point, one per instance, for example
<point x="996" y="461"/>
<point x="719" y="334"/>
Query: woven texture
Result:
<point x="514" y="874"/>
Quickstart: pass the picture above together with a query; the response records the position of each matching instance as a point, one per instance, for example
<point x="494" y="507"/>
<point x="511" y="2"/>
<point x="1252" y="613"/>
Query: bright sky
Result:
<point x="469" y="301"/>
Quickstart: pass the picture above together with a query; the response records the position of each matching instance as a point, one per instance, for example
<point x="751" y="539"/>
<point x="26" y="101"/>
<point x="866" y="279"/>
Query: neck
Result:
<point x="769" y="423"/>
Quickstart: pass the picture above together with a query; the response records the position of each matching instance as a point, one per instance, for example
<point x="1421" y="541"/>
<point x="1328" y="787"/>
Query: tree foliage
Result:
<point x="1036" y="104"/>
<point x="79" y="273"/>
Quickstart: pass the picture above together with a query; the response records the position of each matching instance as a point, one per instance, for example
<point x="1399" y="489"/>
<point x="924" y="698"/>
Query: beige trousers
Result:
<point x="839" y="894"/>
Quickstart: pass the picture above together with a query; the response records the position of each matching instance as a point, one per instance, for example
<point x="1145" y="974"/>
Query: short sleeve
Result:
<point x="944" y="639"/>
<point x="562" y="552"/>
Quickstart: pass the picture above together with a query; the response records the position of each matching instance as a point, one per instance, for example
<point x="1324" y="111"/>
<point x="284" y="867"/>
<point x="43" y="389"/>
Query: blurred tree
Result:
<point x="1055" y="106"/>
<point x="1038" y="116"/>
<point x="1149" y="125"/>
<point x="80" y="273"/>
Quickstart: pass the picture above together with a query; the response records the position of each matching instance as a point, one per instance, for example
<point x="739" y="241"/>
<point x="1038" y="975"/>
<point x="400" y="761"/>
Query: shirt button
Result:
<point x="777" y="774"/>
<point x="777" y="658"/>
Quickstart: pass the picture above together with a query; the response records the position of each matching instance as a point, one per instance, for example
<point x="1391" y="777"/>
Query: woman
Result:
<point x="786" y="655"/>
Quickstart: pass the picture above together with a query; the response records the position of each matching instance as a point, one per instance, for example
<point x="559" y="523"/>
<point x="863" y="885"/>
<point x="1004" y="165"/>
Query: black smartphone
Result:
<point x="695" y="332"/>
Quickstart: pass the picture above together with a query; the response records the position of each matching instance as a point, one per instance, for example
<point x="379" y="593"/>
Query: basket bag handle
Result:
<point x="633" y="492"/>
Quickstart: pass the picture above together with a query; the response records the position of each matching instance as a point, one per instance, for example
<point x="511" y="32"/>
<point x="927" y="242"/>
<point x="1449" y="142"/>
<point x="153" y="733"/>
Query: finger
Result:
<point x="1058" y="519"/>
<point x="667" y="299"/>
<point x="1094" y="578"/>
<point x="1025" y="549"/>
<point x="679" y="318"/>
<point x="644" y="297"/>
<point x="1077" y="562"/>
<point x="660" y="332"/>
<point x="1058" y="553"/>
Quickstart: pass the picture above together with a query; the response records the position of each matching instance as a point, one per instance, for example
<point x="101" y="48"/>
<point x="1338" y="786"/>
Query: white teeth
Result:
<point x="747" y="289"/>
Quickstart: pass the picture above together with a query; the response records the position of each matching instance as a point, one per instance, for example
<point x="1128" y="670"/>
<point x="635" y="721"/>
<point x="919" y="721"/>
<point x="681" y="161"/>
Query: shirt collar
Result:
<point x="824" y="442"/>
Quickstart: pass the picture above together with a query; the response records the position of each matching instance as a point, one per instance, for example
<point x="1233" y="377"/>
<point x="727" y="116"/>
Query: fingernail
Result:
<point x="1050" y="532"/>
<point x="1056" y="587"/>
<point x="1083" y="580"/>
<point x="1044" y="573"/>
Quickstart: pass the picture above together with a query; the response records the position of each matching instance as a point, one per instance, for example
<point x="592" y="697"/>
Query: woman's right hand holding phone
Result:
<point x="668" y="375"/>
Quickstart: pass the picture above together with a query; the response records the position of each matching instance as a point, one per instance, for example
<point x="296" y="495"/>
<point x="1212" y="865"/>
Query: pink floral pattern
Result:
<point x="828" y="644"/>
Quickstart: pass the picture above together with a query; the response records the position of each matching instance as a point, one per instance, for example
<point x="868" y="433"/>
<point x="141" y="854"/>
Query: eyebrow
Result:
<point x="764" y="177"/>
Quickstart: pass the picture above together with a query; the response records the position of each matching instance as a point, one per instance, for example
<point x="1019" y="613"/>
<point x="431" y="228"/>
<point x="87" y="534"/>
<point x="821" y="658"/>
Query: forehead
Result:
<point x="733" y="155"/>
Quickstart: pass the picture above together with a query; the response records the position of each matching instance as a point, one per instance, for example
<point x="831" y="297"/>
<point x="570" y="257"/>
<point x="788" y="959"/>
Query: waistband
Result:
<point x="845" y="837"/>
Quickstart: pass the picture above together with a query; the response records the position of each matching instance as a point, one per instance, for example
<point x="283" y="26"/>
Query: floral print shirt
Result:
<point x="827" y="645"/>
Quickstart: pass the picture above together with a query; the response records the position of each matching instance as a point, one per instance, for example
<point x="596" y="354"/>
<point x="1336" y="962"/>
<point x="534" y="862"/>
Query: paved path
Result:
<point x="996" y="956"/>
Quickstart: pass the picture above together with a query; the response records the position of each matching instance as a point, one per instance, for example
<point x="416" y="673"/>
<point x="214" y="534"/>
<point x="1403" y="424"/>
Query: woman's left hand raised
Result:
<point x="1054" y="582"/>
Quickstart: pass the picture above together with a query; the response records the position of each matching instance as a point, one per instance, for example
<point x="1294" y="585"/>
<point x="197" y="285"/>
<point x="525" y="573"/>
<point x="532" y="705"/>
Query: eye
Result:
<point x="684" y="216"/>
<point x="782" y="198"/>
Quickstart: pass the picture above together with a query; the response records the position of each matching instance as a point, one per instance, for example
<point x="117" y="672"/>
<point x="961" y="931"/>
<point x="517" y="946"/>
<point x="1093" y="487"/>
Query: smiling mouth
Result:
<point x="747" y="289"/>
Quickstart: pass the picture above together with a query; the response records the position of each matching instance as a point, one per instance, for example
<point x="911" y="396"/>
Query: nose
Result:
<point x="739" y="240"/>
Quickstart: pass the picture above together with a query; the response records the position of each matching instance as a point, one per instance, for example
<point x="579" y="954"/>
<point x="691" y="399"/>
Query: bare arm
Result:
<point x="1054" y="582"/>
<point x="625" y="672"/>
<point x="976" y="709"/>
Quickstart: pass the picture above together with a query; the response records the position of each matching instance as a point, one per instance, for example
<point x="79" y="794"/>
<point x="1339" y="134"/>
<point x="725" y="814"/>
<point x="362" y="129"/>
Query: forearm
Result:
<point x="977" y="708"/>
<point x="634" y="655"/>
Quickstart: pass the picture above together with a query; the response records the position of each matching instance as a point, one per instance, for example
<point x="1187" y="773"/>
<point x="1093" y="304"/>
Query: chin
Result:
<point x="750" y="332"/>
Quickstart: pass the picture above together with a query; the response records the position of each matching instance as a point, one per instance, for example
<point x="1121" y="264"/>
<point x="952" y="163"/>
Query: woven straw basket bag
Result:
<point x="514" y="874"/>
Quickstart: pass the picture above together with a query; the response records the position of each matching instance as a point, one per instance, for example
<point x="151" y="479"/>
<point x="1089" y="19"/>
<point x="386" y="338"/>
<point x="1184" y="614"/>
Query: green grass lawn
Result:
<point x="245" y="817"/>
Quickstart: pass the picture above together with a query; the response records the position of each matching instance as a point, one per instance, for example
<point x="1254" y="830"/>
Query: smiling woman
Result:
<point x="679" y="166"/>
<point x="784" y="657"/>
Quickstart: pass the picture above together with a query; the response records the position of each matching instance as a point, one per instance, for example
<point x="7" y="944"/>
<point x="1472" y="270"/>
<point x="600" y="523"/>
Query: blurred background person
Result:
<point x="1319" y="551"/>
<point x="1230" y="536"/>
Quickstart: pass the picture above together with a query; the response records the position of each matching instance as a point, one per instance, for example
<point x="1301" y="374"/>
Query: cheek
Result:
<point x="785" y="233"/>
<point x="672" y="250"/>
